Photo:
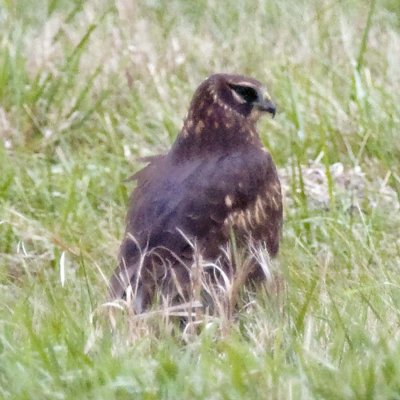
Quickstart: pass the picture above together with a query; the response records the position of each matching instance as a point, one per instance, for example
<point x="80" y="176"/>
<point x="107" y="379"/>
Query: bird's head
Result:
<point x="245" y="97"/>
<point x="223" y="113"/>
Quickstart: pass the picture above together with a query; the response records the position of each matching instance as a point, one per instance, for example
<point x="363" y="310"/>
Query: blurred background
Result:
<point x="88" y="87"/>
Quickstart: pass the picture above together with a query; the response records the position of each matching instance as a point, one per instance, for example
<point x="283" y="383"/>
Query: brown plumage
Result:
<point x="216" y="178"/>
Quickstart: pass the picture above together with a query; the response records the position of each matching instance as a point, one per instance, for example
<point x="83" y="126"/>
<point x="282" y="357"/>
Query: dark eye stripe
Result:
<point x="248" y="93"/>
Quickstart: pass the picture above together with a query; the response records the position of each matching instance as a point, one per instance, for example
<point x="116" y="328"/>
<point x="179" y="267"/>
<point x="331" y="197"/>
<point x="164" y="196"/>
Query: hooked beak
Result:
<point x="264" y="103"/>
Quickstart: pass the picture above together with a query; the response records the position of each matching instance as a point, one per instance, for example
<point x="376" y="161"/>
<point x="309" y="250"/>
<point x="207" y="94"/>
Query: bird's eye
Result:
<point x="247" y="93"/>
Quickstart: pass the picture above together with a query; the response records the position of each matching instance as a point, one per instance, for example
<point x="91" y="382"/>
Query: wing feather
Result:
<point x="191" y="198"/>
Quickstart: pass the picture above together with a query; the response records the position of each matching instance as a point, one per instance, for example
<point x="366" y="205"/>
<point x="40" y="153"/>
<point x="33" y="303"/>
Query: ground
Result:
<point x="88" y="87"/>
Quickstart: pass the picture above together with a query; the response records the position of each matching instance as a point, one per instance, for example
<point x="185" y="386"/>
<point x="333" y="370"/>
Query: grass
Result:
<point x="87" y="87"/>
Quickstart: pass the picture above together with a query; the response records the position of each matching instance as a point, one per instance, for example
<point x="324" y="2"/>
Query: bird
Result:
<point x="216" y="180"/>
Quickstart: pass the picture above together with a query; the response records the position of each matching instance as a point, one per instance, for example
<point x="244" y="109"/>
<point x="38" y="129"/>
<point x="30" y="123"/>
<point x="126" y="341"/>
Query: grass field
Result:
<point x="88" y="87"/>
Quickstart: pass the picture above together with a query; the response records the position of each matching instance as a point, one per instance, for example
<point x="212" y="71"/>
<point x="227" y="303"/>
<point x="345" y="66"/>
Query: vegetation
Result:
<point x="88" y="87"/>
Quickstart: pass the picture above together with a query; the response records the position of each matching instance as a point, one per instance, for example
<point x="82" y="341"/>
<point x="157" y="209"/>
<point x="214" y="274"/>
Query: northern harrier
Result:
<point x="216" y="179"/>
